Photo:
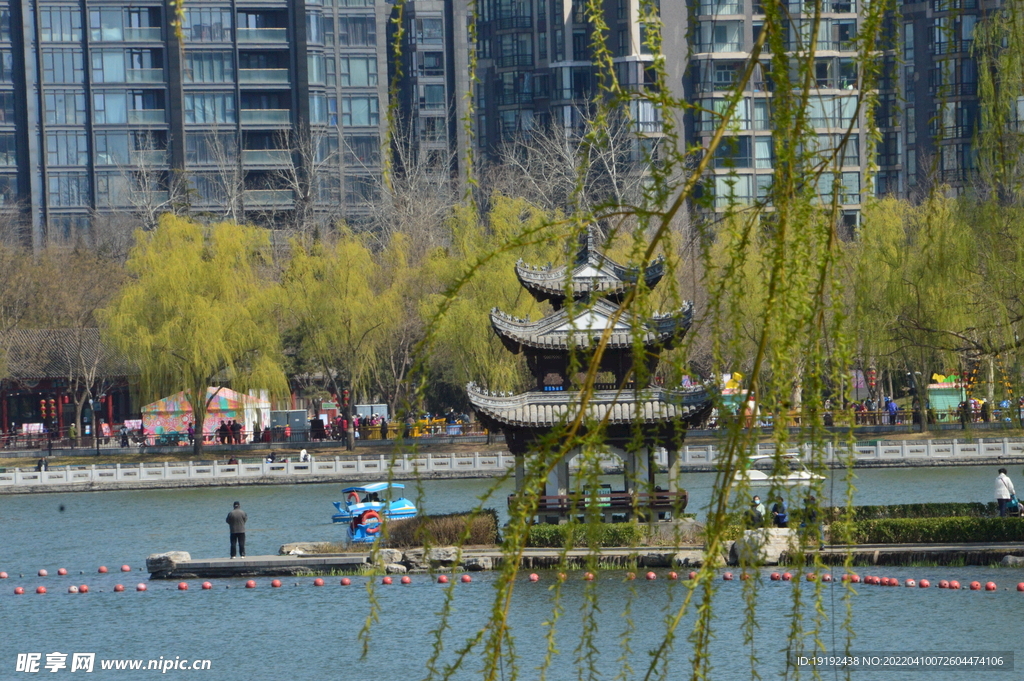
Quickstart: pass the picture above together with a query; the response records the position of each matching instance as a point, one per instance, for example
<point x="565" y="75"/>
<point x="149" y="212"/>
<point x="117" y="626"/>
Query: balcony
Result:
<point x="144" y="76"/>
<point x="514" y="22"/>
<point x="262" y="35"/>
<point x="269" y="197"/>
<point x="266" y="116"/>
<point x="263" y="76"/>
<point x="262" y="157"/>
<point x="149" y="157"/>
<point x="142" y="35"/>
<point x="147" y="116"/>
<point x="509" y="60"/>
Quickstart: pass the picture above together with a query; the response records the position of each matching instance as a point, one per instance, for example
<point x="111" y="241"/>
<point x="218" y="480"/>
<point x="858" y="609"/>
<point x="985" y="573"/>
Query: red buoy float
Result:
<point x="855" y="578"/>
<point x="386" y="580"/>
<point x="651" y="576"/>
<point x="990" y="586"/>
<point x="727" y="576"/>
<point x="443" y="579"/>
<point x="466" y="579"/>
<point x="672" y="576"/>
<point x="630" y="576"/>
<point x="588" y="576"/>
<point x="775" y="576"/>
<point x="954" y="584"/>
<point x="207" y="586"/>
<point x="910" y="582"/>
<point x="345" y="581"/>
<point x="251" y="584"/>
<point x="62" y="571"/>
<point x="787" y="577"/>
<point x="19" y="590"/>
<point x="924" y="584"/>
<point x="102" y="570"/>
<point x="826" y="577"/>
<point x="562" y="576"/>
<point x="318" y="582"/>
<point x="119" y="588"/>
<point x="810" y="577"/>
<point x="406" y="579"/>
<point x="40" y="589"/>
<point x="140" y="587"/>
<point x="1020" y="586"/>
<point x="3" y="575"/>
<point x="692" y="575"/>
<point x="943" y="584"/>
<point x="182" y="586"/>
<point x="126" y="568"/>
<point x="83" y="589"/>
<point x="744" y="576"/>
<point x="43" y="573"/>
<point x="975" y="586"/>
<point x="534" y="577"/>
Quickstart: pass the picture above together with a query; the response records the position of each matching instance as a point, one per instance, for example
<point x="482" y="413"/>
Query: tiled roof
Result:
<point x="50" y="353"/>
<point x="588" y="322"/>
<point x="547" y="409"/>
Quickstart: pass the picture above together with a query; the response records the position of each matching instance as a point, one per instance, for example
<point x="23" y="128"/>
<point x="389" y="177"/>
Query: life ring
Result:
<point x="352" y="498"/>
<point x="366" y="517"/>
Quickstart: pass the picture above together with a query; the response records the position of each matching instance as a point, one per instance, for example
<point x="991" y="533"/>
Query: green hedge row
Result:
<point x="604" y="534"/>
<point x="930" y="530"/>
<point x="938" y="510"/>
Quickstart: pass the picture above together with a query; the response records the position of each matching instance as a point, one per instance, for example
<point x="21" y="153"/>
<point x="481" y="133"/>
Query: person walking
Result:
<point x="1004" y="491"/>
<point x="236" y="522"/>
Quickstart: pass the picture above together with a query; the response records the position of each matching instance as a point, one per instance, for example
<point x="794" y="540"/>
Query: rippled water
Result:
<point x="306" y="632"/>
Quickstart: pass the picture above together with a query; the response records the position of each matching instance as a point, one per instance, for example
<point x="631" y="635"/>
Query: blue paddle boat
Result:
<point x="366" y="506"/>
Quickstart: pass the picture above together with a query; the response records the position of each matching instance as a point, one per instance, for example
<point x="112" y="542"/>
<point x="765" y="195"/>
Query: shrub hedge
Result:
<point x="445" y="530"/>
<point x="937" y="510"/>
<point x="931" y="530"/>
<point x="604" y="534"/>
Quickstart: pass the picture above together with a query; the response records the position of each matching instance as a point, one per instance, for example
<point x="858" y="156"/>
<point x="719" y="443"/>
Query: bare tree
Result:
<point x="312" y="171"/>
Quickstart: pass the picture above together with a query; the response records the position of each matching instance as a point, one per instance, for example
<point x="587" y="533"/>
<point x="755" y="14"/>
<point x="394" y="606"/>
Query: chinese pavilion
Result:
<point x="597" y="285"/>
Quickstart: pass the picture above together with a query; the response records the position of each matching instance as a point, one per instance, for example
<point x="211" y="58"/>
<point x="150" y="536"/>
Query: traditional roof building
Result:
<point x="586" y="296"/>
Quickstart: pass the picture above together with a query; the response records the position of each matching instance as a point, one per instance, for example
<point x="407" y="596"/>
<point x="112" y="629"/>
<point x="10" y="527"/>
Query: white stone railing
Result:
<point x="990" y="448"/>
<point x="190" y="470"/>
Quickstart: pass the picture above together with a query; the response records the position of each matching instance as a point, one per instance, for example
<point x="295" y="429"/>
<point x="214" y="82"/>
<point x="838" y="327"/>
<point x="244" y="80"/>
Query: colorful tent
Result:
<point x="173" y="414"/>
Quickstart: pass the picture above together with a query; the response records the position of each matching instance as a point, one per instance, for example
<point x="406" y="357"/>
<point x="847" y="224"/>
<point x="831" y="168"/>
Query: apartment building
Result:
<point x="265" y="110"/>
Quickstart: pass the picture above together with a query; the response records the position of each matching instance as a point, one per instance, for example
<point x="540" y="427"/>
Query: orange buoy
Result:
<point x="126" y="568"/>
<point x="386" y="580"/>
<point x="61" y="571"/>
<point x="910" y="582"/>
<point x="83" y="589"/>
<point x="443" y="579"/>
<point x="651" y="576"/>
<point x="810" y="577"/>
<point x="534" y="577"/>
<point x="72" y="589"/>
<point x="345" y="581"/>
<point x="855" y="578"/>
<point x="924" y="584"/>
<point x="954" y="584"/>
<point x="775" y="576"/>
<point x="140" y="587"/>
<point x="318" y="582"/>
<point x="251" y="584"/>
<point x="1020" y="586"/>
<point x="727" y="576"/>
<point x="43" y="573"/>
<point x="943" y="584"/>
<point x="990" y="586"/>
<point x="562" y="576"/>
<point x="102" y="570"/>
<point x="975" y="586"/>
<point x="3" y="575"/>
<point x="744" y="576"/>
<point x="826" y="577"/>
<point x="406" y="579"/>
<point x="672" y="576"/>
<point x="692" y="575"/>
<point x="207" y="586"/>
<point x="19" y="590"/>
<point x="182" y="586"/>
<point x="588" y="576"/>
<point x="119" y="588"/>
<point x="787" y="577"/>
<point x="40" y="589"/>
<point x="466" y="579"/>
<point x="630" y="576"/>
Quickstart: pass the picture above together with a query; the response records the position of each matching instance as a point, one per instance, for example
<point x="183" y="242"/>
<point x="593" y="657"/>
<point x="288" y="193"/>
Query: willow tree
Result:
<point x="197" y="312"/>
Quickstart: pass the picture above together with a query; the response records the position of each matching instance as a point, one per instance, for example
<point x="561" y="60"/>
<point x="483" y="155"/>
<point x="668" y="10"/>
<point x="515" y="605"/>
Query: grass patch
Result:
<point x="936" y="510"/>
<point x="584" y="535"/>
<point x="445" y="530"/>
<point x="931" y="530"/>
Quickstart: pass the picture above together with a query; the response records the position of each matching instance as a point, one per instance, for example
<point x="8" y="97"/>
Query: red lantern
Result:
<point x="42" y="408"/>
<point x="53" y="407"/>
<point x="65" y="399"/>
<point x="344" y="398"/>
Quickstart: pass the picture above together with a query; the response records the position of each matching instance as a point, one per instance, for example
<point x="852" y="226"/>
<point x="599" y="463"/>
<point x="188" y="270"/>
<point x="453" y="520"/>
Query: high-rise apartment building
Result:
<point x="267" y="109"/>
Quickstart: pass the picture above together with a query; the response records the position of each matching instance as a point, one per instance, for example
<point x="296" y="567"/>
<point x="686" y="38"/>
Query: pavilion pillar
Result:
<point x="673" y="470"/>
<point x="652" y="468"/>
<point x="520" y="471"/>
<point x="558" y="478"/>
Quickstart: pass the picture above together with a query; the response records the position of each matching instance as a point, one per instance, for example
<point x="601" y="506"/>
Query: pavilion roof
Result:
<point x="54" y="353"/>
<point x="583" y="324"/>
<point x="537" y="409"/>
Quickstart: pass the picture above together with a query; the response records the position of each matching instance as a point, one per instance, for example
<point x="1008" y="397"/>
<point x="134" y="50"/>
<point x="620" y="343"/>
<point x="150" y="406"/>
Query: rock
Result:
<point x="763" y="546"/>
<point x="693" y="558"/>
<point x="442" y="556"/>
<point x="162" y="562"/>
<point x="478" y="563"/>
<point x="388" y="556"/>
<point x="1012" y="561"/>
<point x="656" y="560"/>
<point x="395" y="569"/>
<point x="299" y="548"/>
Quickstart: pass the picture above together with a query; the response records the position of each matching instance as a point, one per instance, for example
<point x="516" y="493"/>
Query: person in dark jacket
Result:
<point x="780" y="518"/>
<point x="236" y="522"/>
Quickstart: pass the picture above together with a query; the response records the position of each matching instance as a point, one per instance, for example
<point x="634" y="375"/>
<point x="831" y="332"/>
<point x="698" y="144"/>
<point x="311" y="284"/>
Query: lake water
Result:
<point x="304" y="632"/>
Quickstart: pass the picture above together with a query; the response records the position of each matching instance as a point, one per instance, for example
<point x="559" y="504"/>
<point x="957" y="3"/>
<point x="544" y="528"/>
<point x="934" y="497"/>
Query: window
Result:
<point x="432" y="97"/>
<point x="5" y="24"/>
<point x="733" y="152"/>
<point x="429" y="31"/>
<point x="559" y="45"/>
<point x="110" y="107"/>
<point x="314" y="28"/>
<point x="430" y="63"/>
<point x="358" y="71"/>
<point x="105" y="24"/>
<point x="66" y="148"/>
<point x="355" y="3"/>
<point x="111" y="149"/>
<point x="330" y="65"/>
<point x="108" y="66"/>
<point x="6" y="66"/>
<point x="328" y="27"/>
<point x="8" y="150"/>
<point x="315" y="68"/>
<point x="209" y="67"/>
<point x="763" y="153"/>
<point x="362" y="150"/>
<point x="63" y="65"/>
<point x="317" y="109"/>
<point x="357" y="111"/>
<point x="209" y="107"/>
<point x="360" y="190"/>
<point x="60" y="24"/>
<point x="7" y="107"/>
<point x="720" y="36"/>
<point x="68" y="189"/>
<point x="210" y="147"/>
<point x="357" y="31"/>
<point x="761" y="113"/>
<point x="207" y="25"/>
<point x="733" y="189"/>
<point x="64" y="107"/>
<point x="113" y="189"/>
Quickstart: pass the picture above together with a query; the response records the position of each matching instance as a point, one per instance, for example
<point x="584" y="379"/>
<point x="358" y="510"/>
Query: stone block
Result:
<point x="441" y="556"/>
<point x="1012" y="561"/>
<point x="478" y="563"/>
<point x="163" y="562"/>
<point x="395" y="569"/>
<point x="388" y="556"/>
<point x="300" y="548"/>
<point x="762" y="546"/>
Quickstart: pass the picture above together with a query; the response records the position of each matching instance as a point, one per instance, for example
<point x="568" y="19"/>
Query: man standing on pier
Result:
<point x="236" y="522"/>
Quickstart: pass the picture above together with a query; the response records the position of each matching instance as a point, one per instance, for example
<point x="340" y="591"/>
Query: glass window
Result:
<point x="68" y="189"/>
<point x="315" y="68"/>
<point x="63" y="65"/>
<point x="733" y="152"/>
<point x="60" y="24"/>
<point x="108" y="66"/>
<point x="358" y="71"/>
<point x="732" y="189"/>
<point x="359" y="111"/>
<point x="5" y="24"/>
<point x="8" y="150"/>
<point x="763" y="152"/>
<point x="209" y="107"/>
<point x="66" y="148"/>
<point x="211" y="24"/>
<point x="110" y="107"/>
<point x="429" y="31"/>
<point x="64" y="107"/>
<point x="210" y="147"/>
<point x="6" y="66"/>
<point x="7" y="107"/>
<point x="209" y="67"/>
<point x="432" y="97"/>
<point x="105" y="24"/>
<point x="362" y="150"/>
<point x="357" y="31"/>
<point x="111" y="149"/>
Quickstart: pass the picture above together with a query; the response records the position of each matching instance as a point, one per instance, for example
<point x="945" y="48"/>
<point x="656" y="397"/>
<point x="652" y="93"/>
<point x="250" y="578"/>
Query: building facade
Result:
<point x="265" y="109"/>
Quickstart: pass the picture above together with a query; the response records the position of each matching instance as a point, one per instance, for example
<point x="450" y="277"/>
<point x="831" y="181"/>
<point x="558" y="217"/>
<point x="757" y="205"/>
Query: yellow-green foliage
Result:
<point x="197" y="312"/>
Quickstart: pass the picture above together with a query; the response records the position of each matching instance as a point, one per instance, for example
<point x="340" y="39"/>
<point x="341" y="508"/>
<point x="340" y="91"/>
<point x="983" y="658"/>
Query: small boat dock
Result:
<point x="180" y="565"/>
